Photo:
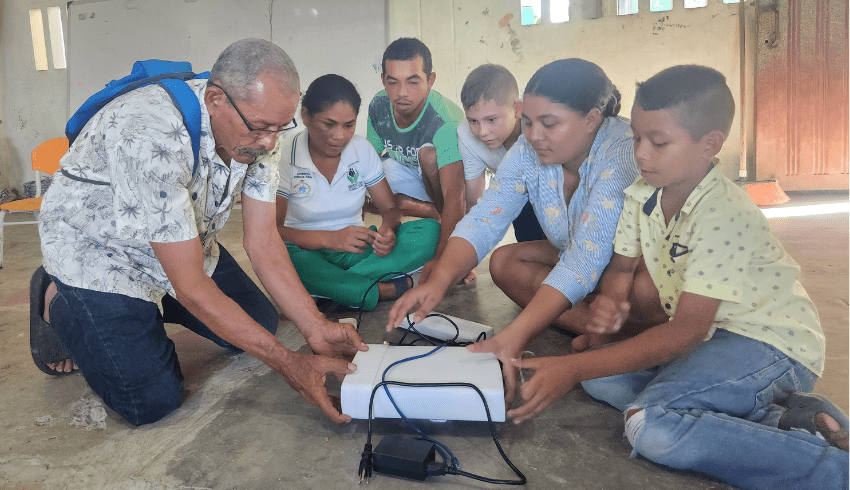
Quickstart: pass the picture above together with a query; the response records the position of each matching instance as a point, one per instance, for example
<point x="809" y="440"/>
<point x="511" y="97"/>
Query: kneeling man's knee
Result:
<point x="147" y="403"/>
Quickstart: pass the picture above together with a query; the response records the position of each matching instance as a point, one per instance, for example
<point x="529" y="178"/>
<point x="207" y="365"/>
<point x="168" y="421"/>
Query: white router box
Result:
<point x="447" y="365"/>
<point x="439" y="328"/>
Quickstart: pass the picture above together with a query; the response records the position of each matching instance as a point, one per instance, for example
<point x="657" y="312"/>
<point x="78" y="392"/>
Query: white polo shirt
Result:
<point x="315" y="203"/>
<point x="476" y="155"/>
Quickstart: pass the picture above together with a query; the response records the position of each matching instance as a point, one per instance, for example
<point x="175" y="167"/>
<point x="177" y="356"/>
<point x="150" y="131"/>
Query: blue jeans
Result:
<point x="716" y="411"/>
<point x="120" y="345"/>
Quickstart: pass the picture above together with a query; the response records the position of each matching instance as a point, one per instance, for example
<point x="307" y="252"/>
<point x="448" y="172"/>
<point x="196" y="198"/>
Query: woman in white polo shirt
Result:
<point x="324" y="174"/>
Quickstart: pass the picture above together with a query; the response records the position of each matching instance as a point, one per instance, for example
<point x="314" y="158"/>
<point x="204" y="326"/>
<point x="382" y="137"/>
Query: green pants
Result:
<point x="344" y="277"/>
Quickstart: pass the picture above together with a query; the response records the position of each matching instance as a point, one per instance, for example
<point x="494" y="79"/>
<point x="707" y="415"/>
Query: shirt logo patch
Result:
<point x="302" y="188"/>
<point x="678" y="250"/>
<point x="352" y="175"/>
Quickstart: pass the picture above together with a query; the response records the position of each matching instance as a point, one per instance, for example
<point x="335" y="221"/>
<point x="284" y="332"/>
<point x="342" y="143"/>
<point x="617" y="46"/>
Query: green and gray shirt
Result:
<point x="437" y="125"/>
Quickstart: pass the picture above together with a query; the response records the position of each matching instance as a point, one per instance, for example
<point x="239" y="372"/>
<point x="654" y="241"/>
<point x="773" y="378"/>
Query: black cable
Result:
<point x="449" y="469"/>
<point x="375" y="283"/>
<point x="449" y="466"/>
<point x="453" y="342"/>
<point x="410" y="325"/>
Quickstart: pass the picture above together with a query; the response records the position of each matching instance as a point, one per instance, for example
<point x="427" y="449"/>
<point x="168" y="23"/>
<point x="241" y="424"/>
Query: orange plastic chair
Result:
<point x="45" y="158"/>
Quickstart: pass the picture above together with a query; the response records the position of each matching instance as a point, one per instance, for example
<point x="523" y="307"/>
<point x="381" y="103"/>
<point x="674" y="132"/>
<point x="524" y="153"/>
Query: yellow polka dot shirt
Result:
<point x="719" y="245"/>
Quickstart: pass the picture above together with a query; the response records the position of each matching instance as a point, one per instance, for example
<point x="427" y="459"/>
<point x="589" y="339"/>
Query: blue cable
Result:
<point x="446" y="453"/>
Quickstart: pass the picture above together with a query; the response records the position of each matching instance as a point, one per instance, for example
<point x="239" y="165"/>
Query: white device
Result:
<point x="439" y="328"/>
<point x="448" y="364"/>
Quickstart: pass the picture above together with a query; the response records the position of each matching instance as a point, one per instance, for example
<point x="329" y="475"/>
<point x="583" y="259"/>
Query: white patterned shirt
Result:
<point x="583" y="229"/>
<point x="719" y="245"/>
<point x="98" y="236"/>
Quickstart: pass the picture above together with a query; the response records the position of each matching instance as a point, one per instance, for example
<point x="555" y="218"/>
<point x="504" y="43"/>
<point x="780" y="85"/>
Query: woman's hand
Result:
<point x="505" y="349"/>
<point x="353" y="239"/>
<point x="384" y="242"/>
<point x="423" y="298"/>
<point x="553" y="377"/>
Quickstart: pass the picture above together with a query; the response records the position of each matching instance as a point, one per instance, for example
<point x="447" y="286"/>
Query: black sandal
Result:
<point x="803" y="409"/>
<point x="45" y="345"/>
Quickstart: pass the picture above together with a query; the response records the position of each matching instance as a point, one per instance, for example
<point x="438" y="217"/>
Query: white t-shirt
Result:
<point x="476" y="155"/>
<point x="315" y="203"/>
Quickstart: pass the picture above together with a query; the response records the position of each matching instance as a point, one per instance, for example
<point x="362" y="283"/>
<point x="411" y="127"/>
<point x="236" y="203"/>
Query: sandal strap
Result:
<point x="401" y="285"/>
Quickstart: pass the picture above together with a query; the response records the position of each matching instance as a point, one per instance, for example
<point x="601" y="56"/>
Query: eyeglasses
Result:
<point x="258" y="132"/>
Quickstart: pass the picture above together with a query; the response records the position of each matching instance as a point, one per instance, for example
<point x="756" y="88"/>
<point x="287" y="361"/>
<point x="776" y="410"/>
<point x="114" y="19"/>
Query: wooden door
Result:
<point x="801" y="94"/>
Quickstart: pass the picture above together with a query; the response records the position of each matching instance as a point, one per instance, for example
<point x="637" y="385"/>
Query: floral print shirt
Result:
<point x="98" y="236"/>
<point x="583" y="229"/>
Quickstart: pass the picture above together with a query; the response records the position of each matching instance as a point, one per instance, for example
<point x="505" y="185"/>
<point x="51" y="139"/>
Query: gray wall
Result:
<point x="33" y="104"/>
<point x="104" y="38"/>
<point x="462" y="34"/>
<point x="5" y="161"/>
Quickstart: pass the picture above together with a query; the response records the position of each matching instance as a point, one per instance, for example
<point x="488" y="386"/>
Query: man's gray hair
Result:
<point x="239" y="65"/>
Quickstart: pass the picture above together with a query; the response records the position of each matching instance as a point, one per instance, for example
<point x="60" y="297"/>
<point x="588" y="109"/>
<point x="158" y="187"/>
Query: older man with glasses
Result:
<point x="128" y="234"/>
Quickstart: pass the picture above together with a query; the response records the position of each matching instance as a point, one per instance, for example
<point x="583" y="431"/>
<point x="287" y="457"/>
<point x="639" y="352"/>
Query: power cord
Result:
<point x="365" y="294"/>
<point x="450" y="464"/>
<point x="434" y="469"/>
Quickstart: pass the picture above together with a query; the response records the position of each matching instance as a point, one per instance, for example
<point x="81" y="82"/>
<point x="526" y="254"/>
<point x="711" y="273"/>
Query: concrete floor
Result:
<point x="241" y="426"/>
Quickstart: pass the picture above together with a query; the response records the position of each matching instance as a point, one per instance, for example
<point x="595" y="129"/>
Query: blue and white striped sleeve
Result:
<point x="580" y="266"/>
<point x="488" y="221"/>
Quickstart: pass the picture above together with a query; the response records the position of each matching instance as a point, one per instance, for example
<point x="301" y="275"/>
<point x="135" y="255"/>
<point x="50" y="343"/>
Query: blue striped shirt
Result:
<point x="584" y="230"/>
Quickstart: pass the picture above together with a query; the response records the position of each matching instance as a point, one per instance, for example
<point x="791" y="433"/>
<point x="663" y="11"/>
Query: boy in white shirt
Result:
<point x="490" y="99"/>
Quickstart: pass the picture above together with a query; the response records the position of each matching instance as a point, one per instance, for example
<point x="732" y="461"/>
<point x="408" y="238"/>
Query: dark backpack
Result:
<point x="170" y="75"/>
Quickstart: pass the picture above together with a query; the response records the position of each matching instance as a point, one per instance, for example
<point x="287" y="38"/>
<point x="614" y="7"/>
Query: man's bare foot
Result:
<point x="48" y="297"/>
<point x="831" y="430"/>
<point x="67" y="365"/>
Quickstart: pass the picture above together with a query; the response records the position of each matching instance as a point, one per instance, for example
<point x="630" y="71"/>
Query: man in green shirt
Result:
<point x="414" y="129"/>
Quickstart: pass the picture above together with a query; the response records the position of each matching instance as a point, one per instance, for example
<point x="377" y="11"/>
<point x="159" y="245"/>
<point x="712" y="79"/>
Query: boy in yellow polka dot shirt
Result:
<point x="717" y="380"/>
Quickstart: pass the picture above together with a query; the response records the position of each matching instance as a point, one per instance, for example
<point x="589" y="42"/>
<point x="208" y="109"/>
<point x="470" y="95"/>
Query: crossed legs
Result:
<point x="716" y="411"/>
<point x="519" y="270"/>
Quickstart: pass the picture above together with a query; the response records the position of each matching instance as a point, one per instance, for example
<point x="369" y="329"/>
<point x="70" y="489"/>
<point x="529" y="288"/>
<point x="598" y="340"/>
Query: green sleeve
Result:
<point x="373" y="137"/>
<point x="445" y="142"/>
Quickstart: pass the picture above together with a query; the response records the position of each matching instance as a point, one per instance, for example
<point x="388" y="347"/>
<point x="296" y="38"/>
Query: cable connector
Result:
<point x="365" y="471"/>
<point x="436" y="468"/>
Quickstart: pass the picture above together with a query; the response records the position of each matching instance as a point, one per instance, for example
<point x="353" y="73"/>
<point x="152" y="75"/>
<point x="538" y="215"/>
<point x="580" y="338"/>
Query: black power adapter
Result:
<point x="403" y="456"/>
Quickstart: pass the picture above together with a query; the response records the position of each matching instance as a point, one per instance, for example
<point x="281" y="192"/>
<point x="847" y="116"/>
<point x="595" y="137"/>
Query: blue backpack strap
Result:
<point x="187" y="103"/>
<point x="190" y="108"/>
<point x="171" y="76"/>
<point x="143" y="73"/>
<point x="149" y="68"/>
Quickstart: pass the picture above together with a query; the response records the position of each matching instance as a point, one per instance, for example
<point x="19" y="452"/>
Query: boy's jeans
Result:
<point x="716" y="411"/>
<point x="120" y="345"/>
